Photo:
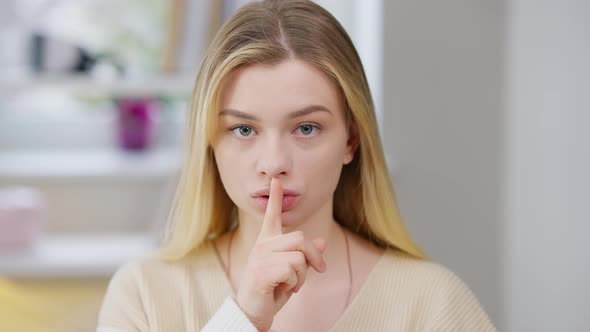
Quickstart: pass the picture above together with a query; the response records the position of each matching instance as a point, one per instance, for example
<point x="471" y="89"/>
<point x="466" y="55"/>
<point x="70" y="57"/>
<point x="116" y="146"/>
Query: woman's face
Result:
<point x="285" y="121"/>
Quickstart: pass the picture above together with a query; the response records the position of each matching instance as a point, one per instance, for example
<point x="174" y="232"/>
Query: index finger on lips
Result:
<point x="272" y="224"/>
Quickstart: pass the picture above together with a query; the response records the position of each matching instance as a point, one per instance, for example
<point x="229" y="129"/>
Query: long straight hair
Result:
<point x="269" y="32"/>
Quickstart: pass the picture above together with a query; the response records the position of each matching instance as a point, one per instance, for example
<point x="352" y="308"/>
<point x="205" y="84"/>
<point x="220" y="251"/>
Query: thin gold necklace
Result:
<point x="231" y="237"/>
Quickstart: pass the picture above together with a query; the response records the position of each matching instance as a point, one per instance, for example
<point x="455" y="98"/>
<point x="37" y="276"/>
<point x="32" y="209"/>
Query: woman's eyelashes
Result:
<point x="242" y="131"/>
<point x="305" y="130"/>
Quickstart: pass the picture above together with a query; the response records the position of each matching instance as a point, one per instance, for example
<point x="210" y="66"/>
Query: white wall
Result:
<point x="443" y="129"/>
<point x="363" y="21"/>
<point x="547" y="254"/>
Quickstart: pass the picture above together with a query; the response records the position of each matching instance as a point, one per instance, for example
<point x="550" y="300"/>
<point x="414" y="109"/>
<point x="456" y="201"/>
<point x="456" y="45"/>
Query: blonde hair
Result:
<point x="269" y="32"/>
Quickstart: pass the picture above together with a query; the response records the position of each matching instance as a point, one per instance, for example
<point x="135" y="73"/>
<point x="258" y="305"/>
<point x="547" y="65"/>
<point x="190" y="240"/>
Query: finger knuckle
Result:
<point x="300" y="258"/>
<point x="299" y="237"/>
<point x="286" y="270"/>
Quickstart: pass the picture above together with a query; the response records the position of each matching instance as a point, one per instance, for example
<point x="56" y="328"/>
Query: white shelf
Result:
<point x="63" y="164"/>
<point x="75" y="256"/>
<point x="88" y="86"/>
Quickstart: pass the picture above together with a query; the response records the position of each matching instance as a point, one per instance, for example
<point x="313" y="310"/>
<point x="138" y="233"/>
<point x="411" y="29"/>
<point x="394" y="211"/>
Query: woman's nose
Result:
<point x="274" y="158"/>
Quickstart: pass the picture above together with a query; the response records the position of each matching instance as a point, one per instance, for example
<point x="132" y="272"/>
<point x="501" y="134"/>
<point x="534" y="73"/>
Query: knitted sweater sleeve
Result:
<point x="228" y="318"/>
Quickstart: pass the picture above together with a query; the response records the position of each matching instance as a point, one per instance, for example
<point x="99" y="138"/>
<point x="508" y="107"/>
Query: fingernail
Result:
<point x="323" y="265"/>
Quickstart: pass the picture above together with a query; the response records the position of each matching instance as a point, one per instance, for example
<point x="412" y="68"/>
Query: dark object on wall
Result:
<point x="85" y="62"/>
<point x="49" y="55"/>
<point x="37" y="52"/>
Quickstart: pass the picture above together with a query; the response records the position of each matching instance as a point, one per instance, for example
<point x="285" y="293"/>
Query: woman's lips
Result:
<point x="289" y="202"/>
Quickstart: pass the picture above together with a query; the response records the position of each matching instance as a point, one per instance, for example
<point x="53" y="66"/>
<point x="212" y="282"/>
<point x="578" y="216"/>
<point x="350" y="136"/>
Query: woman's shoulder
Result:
<point x="424" y="274"/>
<point x="435" y="289"/>
<point x="394" y="269"/>
<point x="151" y="287"/>
<point x="153" y="267"/>
<point x="396" y="260"/>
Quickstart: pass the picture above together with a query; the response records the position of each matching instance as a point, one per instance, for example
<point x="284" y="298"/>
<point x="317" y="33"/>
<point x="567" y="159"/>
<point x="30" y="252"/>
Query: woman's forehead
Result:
<point x="289" y="86"/>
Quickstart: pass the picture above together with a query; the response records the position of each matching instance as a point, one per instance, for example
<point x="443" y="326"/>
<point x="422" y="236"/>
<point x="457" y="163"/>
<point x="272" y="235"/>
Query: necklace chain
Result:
<point x="231" y="237"/>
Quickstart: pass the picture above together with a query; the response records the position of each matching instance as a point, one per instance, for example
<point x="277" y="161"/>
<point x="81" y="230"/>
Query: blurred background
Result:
<point x="483" y="107"/>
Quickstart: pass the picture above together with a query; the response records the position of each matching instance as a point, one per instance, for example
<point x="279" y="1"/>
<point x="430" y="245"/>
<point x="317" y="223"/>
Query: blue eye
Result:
<point x="242" y="131"/>
<point x="307" y="129"/>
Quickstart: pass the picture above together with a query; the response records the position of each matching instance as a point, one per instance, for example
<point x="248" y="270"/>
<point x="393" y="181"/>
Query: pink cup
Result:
<point x="137" y="122"/>
<point x="22" y="217"/>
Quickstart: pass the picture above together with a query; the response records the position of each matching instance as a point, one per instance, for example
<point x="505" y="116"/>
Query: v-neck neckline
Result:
<point x="369" y="280"/>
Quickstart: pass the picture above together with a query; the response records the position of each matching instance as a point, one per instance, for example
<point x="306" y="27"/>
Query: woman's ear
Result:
<point x="352" y="144"/>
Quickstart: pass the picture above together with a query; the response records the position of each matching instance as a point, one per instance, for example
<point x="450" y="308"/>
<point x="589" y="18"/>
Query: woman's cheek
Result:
<point x="324" y="167"/>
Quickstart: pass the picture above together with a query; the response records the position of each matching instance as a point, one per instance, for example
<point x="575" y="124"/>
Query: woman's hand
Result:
<point x="277" y="265"/>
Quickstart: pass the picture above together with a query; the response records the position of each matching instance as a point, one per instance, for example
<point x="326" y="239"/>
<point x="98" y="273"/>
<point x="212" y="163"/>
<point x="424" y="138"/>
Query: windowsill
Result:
<point x="75" y="256"/>
<point x="89" y="86"/>
<point x="61" y="164"/>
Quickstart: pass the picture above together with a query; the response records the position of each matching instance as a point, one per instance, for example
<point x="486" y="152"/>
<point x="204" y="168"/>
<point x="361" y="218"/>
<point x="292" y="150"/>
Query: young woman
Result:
<point x="285" y="216"/>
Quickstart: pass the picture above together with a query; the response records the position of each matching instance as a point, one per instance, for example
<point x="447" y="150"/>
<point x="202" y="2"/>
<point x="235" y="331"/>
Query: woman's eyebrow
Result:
<point x="295" y="114"/>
